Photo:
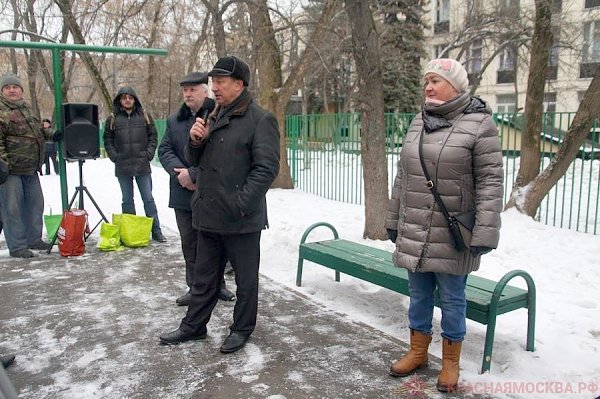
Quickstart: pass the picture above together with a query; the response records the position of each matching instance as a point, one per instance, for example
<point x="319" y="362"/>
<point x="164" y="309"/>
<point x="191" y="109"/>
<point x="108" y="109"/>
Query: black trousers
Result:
<point x="51" y="156"/>
<point x="213" y="250"/>
<point x="189" y="238"/>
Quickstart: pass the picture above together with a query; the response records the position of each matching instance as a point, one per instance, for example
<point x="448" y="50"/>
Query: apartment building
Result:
<point x="491" y="39"/>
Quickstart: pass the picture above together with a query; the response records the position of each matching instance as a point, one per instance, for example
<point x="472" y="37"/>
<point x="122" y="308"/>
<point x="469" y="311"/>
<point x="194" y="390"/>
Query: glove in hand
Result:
<point x="477" y="251"/>
<point x="392" y="235"/>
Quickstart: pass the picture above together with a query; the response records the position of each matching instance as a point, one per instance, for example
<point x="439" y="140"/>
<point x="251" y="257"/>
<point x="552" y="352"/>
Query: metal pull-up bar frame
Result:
<point x="56" y="48"/>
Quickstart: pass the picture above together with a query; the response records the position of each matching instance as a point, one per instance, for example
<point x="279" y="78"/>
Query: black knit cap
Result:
<point x="194" y="78"/>
<point x="232" y="66"/>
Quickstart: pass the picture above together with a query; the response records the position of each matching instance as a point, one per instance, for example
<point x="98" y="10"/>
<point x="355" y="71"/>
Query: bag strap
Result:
<point x="430" y="183"/>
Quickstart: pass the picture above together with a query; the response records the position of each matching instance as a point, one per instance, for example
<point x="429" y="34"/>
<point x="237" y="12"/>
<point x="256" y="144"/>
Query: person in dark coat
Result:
<point x="236" y="152"/>
<point x="51" y="151"/>
<point x="130" y="141"/>
<point x="183" y="176"/>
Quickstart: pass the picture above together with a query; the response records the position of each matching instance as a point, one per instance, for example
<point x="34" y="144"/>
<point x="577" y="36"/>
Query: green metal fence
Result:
<point x="324" y="158"/>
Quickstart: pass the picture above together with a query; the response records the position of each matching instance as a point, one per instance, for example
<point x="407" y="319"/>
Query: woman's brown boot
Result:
<point x="448" y="378"/>
<point x="416" y="356"/>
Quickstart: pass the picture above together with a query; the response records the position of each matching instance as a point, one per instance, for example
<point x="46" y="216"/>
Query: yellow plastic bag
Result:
<point x="110" y="237"/>
<point x="135" y="230"/>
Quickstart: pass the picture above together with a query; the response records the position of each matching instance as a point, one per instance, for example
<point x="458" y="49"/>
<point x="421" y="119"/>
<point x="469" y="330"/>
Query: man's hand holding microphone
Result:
<point x="199" y="131"/>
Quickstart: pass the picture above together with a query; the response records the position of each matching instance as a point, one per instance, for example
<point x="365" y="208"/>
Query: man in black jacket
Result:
<point x="130" y="141"/>
<point x="183" y="176"/>
<point x="236" y="152"/>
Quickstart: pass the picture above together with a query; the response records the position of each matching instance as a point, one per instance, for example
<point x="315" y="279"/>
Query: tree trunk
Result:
<point x="534" y="102"/>
<point x="527" y="199"/>
<point x="69" y="19"/>
<point x="365" y="48"/>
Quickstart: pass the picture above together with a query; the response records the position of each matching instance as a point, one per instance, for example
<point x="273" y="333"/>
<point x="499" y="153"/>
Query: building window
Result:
<point x="552" y="71"/>
<point x="505" y="103"/>
<point x="439" y="51"/>
<point x="506" y="69"/>
<point x="549" y="109"/>
<point x="556" y="6"/>
<point x="509" y="8"/>
<point x="549" y="102"/>
<point x="592" y="3"/>
<point x="590" y="49"/>
<point x="474" y="62"/>
<point x="442" y="17"/>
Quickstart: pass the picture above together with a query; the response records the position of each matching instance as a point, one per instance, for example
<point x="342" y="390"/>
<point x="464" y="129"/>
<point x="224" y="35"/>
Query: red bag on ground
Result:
<point x="71" y="233"/>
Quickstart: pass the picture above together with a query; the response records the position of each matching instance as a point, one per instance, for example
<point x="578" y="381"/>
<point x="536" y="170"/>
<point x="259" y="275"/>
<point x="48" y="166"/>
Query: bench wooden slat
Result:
<point x="376" y="266"/>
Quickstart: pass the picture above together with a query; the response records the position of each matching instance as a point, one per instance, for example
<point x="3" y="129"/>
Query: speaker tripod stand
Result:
<point x="79" y="191"/>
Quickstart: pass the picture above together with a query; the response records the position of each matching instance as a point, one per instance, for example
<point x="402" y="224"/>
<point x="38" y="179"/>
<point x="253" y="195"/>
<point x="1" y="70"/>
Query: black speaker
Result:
<point x="81" y="138"/>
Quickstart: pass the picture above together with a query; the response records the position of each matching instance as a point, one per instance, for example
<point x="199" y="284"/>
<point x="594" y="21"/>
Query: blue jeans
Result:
<point x="452" y="302"/>
<point x="144" y="183"/>
<point x="22" y="209"/>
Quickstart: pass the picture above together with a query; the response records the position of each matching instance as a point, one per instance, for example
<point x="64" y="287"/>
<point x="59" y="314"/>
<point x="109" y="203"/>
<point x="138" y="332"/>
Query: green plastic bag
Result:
<point x="110" y="237"/>
<point x="135" y="230"/>
<point x="116" y="219"/>
<point x="52" y="223"/>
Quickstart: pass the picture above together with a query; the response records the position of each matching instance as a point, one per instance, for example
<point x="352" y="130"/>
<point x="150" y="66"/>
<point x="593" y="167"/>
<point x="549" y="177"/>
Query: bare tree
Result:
<point x="527" y="198"/>
<point x="370" y="104"/>
<point x="65" y="7"/>
<point x="536" y="82"/>
<point x="531" y="186"/>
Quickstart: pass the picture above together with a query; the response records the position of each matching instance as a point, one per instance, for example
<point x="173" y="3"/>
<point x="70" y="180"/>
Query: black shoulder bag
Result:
<point x="460" y="225"/>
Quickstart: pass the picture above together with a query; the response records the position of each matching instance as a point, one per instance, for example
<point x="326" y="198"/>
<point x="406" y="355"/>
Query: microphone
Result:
<point x="207" y="107"/>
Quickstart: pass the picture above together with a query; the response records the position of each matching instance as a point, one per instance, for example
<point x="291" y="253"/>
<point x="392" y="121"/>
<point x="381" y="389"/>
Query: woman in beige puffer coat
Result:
<point x="462" y="153"/>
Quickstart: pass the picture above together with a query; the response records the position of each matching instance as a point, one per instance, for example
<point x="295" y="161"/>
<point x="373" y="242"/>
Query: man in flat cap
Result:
<point x="236" y="152"/>
<point x="183" y="176"/>
<point x="22" y="140"/>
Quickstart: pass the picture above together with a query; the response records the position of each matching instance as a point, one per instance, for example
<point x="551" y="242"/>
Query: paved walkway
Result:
<point x="88" y="327"/>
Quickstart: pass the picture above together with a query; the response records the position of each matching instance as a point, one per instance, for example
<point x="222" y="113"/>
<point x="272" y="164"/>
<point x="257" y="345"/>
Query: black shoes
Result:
<point x="158" y="237"/>
<point x="226" y="295"/>
<point x="22" y="253"/>
<point x="39" y="245"/>
<point x="177" y="337"/>
<point x="234" y="342"/>
<point x="7" y="360"/>
<point x="184" y="300"/>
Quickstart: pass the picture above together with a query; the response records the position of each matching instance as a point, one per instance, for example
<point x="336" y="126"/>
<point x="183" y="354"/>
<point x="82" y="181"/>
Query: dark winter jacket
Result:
<point x="130" y="139"/>
<point x="171" y="156"/>
<point x="236" y="165"/>
<point x="462" y="153"/>
<point x="22" y="138"/>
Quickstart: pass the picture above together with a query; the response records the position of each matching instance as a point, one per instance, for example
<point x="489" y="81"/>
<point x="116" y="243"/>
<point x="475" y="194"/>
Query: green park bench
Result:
<point x="485" y="298"/>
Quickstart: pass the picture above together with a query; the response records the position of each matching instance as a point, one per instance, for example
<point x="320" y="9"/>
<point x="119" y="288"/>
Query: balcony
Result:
<point x="588" y="70"/>
<point x="506" y="76"/>
<point x="441" y="27"/>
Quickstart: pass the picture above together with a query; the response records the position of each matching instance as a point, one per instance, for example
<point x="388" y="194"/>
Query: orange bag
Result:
<point x="71" y="233"/>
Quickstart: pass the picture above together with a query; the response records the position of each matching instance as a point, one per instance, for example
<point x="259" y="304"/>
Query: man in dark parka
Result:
<point x="130" y="141"/>
<point x="183" y="175"/>
<point x="237" y="155"/>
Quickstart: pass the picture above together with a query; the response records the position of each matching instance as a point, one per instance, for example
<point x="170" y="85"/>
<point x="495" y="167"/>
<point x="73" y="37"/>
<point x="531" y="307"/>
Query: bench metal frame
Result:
<point x="482" y="308"/>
